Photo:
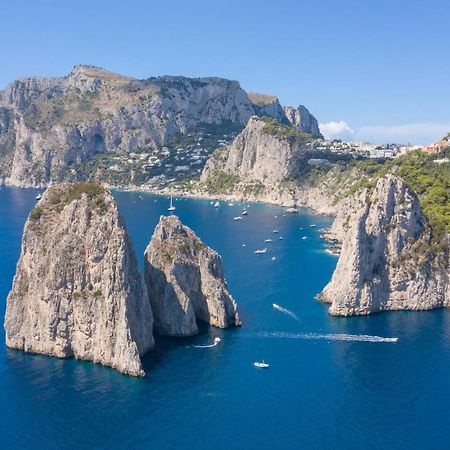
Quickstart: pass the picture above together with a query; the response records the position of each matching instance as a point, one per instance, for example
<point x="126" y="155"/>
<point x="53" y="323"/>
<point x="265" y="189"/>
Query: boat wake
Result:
<point x="215" y="344"/>
<point x="286" y="311"/>
<point x="328" y="337"/>
<point x="203" y="346"/>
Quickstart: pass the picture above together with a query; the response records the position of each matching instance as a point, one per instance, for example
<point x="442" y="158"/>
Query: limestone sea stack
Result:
<point x="185" y="281"/>
<point x="389" y="259"/>
<point x="78" y="291"/>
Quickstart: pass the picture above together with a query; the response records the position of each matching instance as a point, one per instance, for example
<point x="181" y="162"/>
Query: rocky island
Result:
<point x="78" y="291"/>
<point x="389" y="259"/>
<point x="185" y="281"/>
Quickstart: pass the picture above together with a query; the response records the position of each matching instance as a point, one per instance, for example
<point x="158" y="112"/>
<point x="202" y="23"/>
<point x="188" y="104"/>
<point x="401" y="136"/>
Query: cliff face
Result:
<point x="261" y="153"/>
<point x="78" y="291"/>
<point x="185" y="281"/>
<point x="299" y="118"/>
<point x="388" y="260"/>
<point x="48" y="126"/>
<point x="302" y="120"/>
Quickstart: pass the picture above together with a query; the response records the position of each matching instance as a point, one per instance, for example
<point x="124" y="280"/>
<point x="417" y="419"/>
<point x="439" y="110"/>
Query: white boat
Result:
<point x="274" y="258"/>
<point x="268" y="240"/>
<point x="313" y="225"/>
<point x="171" y="207"/>
<point x="261" y="364"/>
<point x="244" y="245"/>
<point x="38" y="197"/>
<point x="237" y="218"/>
<point x="216" y="205"/>
<point x="275" y="231"/>
<point x="230" y="204"/>
<point x="216" y="340"/>
<point x="280" y="238"/>
<point x="244" y="213"/>
<point x="304" y="237"/>
<point x="260" y="252"/>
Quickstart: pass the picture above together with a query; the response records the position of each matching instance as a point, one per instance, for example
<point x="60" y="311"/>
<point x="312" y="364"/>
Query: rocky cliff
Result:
<point x="185" y="281"/>
<point x="78" y="291"/>
<point x="265" y="151"/>
<point x="50" y="127"/>
<point x="389" y="260"/>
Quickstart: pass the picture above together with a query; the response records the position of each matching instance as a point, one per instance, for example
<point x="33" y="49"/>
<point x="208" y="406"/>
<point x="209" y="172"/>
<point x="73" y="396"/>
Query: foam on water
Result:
<point x="328" y="337"/>
<point x="286" y="311"/>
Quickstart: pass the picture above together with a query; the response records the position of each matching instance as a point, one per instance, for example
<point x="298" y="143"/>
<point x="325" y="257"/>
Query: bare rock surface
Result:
<point x="78" y="291"/>
<point x="388" y="259"/>
<point x="185" y="281"/>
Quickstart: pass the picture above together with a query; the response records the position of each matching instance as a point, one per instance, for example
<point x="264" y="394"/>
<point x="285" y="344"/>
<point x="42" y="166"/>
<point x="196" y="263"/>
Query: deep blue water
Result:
<point x="317" y="394"/>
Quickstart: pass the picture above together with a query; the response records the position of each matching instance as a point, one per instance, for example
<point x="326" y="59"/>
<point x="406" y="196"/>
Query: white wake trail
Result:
<point x="328" y="337"/>
<point x="286" y="311"/>
<point x="202" y="346"/>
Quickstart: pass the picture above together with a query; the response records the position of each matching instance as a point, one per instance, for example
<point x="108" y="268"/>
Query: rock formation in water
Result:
<point x="51" y="127"/>
<point x="265" y="151"/>
<point x="185" y="281"/>
<point x="388" y="260"/>
<point x="78" y="291"/>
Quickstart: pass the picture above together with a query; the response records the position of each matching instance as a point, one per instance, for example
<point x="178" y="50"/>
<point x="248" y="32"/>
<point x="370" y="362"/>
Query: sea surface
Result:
<point x="332" y="384"/>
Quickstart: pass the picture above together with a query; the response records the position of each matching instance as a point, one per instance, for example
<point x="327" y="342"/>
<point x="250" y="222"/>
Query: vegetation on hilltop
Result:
<point x="60" y="196"/>
<point x="428" y="178"/>
<point x="275" y="128"/>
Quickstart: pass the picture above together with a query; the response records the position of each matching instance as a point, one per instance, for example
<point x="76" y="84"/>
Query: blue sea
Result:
<point x="320" y="392"/>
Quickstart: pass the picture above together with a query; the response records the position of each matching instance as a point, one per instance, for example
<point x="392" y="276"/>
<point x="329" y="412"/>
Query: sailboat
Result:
<point x="171" y="207"/>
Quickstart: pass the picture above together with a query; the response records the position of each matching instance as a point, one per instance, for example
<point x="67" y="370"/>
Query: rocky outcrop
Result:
<point x="185" y="281"/>
<point x="78" y="291"/>
<point x="265" y="151"/>
<point x="303" y="120"/>
<point x="55" y="125"/>
<point x="388" y="260"/>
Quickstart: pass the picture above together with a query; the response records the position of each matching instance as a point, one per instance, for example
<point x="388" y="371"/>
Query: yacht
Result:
<point x="171" y="207"/>
<point x="244" y="212"/>
<point x="260" y="252"/>
<point x="275" y="231"/>
<point x="261" y="365"/>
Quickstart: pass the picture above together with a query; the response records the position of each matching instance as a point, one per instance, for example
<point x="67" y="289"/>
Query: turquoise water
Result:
<point x="317" y="393"/>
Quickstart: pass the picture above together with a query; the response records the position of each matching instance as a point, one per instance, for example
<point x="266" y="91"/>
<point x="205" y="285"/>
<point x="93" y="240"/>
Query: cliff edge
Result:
<point x="185" y="281"/>
<point x="78" y="291"/>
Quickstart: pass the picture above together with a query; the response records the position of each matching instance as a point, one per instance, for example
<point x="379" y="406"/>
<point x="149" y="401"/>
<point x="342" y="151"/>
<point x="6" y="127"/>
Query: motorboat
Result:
<point x="260" y="252"/>
<point x="244" y="213"/>
<point x="216" y="205"/>
<point x="261" y="364"/>
<point x="275" y="231"/>
<point x="217" y="341"/>
<point x="268" y="240"/>
<point x="237" y="218"/>
<point x="38" y="197"/>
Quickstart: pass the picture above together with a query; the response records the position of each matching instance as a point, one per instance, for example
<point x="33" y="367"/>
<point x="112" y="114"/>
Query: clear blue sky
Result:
<point x="369" y="63"/>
